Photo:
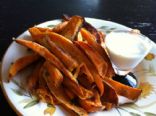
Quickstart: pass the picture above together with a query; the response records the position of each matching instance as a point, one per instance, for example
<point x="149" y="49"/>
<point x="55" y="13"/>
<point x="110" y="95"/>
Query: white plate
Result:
<point x="146" y="72"/>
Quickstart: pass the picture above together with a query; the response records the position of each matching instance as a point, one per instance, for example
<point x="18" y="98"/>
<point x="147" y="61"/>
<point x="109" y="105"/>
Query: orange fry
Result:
<point x="72" y="68"/>
<point x="108" y="106"/>
<point x="68" y="46"/>
<point x="69" y="93"/>
<point x="82" y="95"/>
<point x="60" y="41"/>
<point x="95" y="57"/>
<point x="40" y="37"/>
<point x="68" y="61"/>
<point x="52" y="59"/>
<point x="87" y="35"/>
<point x="110" y="95"/>
<point x="41" y="81"/>
<point x="37" y="33"/>
<point x="71" y="49"/>
<point x="91" y="41"/>
<point x="99" y="83"/>
<point x="44" y="95"/>
<point x="124" y="90"/>
<point x="43" y="29"/>
<point x="21" y="63"/>
<point x="61" y="96"/>
<point x="33" y="78"/>
<point x="83" y="69"/>
<point x="92" y="105"/>
<point x="83" y="80"/>
<point x="44" y="52"/>
<point x="55" y="73"/>
<point x="60" y="27"/>
<point x="78" y="55"/>
<point x="71" y="30"/>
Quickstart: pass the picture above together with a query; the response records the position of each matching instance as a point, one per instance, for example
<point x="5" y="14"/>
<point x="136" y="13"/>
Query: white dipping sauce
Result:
<point x="126" y="49"/>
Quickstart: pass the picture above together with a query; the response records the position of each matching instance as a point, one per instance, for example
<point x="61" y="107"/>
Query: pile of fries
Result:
<point x="72" y="69"/>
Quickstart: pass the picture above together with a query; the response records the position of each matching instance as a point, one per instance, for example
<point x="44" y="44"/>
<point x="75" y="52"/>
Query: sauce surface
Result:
<point x="126" y="49"/>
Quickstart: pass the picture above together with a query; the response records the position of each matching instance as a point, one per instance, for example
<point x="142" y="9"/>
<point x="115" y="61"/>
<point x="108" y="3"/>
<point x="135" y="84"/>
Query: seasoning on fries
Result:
<point x="71" y="65"/>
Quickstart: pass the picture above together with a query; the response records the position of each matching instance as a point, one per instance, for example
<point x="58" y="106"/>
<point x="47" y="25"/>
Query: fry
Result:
<point x="21" y="63"/>
<point x="108" y="106"/>
<point x="71" y="30"/>
<point x="70" y="94"/>
<point x="110" y="95"/>
<point x="44" y="95"/>
<point x="87" y="36"/>
<point x="83" y="69"/>
<point x="68" y="46"/>
<point x="42" y="91"/>
<point x="99" y="83"/>
<point x="68" y="61"/>
<point x="47" y="55"/>
<point x="51" y="58"/>
<point x="95" y="57"/>
<point x="93" y="31"/>
<point x="36" y="33"/>
<point x="43" y="29"/>
<point x="55" y="73"/>
<point x="92" y="105"/>
<point x="33" y="78"/>
<point x="83" y="80"/>
<point x="41" y="82"/>
<point x="124" y="90"/>
<point x="60" y="27"/>
<point x="97" y="35"/>
<point x="60" y="41"/>
<point x="82" y="95"/>
<point x="75" y="71"/>
<point x="61" y="97"/>
<point x="90" y="39"/>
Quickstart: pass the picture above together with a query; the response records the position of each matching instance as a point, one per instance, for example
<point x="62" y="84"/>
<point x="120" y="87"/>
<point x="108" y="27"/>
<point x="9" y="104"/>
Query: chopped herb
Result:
<point x="17" y="91"/>
<point x="149" y="114"/>
<point x="51" y="25"/>
<point x="134" y="114"/>
<point x="31" y="103"/>
<point x="103" y="27"/>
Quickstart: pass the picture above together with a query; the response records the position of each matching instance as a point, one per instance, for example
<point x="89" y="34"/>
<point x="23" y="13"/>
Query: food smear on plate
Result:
<point x="126" y="48"/>
<point x="71" y="68"/>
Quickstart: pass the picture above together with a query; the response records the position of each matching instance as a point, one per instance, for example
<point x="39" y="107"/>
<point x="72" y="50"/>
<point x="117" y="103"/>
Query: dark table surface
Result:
<point x="16" y="16"/>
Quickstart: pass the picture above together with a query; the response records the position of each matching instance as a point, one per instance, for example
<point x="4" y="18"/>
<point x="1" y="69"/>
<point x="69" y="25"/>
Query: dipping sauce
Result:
<point x="127" y="49"/>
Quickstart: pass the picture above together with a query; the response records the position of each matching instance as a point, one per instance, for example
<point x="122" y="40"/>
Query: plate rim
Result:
<point x="4" y="55"/>
<point x="4" y="91"/>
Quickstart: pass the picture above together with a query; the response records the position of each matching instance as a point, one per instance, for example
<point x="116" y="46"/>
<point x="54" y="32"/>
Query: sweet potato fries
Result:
<point x="71" y="65"/>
